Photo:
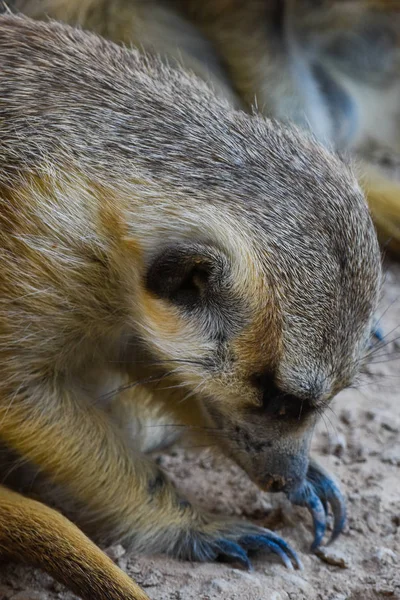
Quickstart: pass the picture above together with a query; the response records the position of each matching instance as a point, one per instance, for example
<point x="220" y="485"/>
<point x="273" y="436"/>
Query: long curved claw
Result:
<point x="328" y="490"/>
<point x="232" y="552"/>
<point x="308" y="497"/>
<point x="317" y="493"/>
<point x="262" y="542"/>
<point x="285" y="546"/>
<point x="255" y="539"/>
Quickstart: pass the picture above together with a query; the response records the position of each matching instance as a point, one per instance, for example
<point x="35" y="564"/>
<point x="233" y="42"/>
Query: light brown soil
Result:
<point x="358" y="441"/>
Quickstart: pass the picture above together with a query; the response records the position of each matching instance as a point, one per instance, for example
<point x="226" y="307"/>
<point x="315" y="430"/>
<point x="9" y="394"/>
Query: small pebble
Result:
<point x="347" y="416"/>
<point x="384" y="590"/>
<point x="115" y="552"/>
<point x="391" y="456"/>
<point x="337" y="445"/>
<point x="277" y="596"/>
<point x="333" y="557"/>
<point x="371" y="523"/>
<point x="219" y="585"/>
<point x="391" y="424"/>
<point x="385" y="556"/>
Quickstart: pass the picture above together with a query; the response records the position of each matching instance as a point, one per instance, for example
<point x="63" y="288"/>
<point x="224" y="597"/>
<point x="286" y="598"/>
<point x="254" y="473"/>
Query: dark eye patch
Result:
<point x="196" y="280"/>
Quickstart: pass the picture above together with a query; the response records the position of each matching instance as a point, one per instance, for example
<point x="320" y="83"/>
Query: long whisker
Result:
<point x="379" y="362"/>
<point x="133" y="384"/>
<point x="163" y="361"/>
<point x="379" y="346"/>
<point x="390" y="305"/>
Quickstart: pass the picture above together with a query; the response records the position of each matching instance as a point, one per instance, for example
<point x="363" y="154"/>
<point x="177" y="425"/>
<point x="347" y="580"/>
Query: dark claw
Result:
<point x="272" y="542"/>
<point x="255" y="540"/>
<point x="317" y="492"/>
<point x="325" y="505"/>
<point x="254" y="543"/>
<point x="232" y="552"/>
<point x="327" y="489"/>
<point x="307" y="497"/>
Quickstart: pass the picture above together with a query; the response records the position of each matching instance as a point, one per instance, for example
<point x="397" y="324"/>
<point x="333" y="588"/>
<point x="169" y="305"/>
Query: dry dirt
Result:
<point x="358" y="441"/>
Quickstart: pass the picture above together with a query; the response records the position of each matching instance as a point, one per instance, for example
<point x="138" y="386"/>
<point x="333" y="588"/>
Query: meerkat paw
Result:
<point x="235" y="541"/>
<point x="318" y="492"/>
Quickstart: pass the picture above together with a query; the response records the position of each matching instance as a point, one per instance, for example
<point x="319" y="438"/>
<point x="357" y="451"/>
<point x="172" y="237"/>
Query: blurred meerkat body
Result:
<point x="333" y="68"/>
<point x="150" y="234"/>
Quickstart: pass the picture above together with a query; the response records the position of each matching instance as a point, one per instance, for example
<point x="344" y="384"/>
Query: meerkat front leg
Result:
<point x="122" y="496"/>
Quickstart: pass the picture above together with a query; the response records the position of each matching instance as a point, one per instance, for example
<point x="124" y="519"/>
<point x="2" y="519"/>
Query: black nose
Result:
<point x="279" y="403"/>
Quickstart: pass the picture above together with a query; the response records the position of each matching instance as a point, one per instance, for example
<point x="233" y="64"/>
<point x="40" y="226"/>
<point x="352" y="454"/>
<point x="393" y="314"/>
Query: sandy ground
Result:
<point x="358" y="441"/>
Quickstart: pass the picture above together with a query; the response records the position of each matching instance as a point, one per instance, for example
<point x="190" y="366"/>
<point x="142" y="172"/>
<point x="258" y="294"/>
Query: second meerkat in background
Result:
<point x="330" y="66"/>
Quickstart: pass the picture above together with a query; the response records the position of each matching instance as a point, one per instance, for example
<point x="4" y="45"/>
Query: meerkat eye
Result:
<point x="181" y="275"/>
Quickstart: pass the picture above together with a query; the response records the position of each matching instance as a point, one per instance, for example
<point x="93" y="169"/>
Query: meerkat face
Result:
<point x="266" y="323"/>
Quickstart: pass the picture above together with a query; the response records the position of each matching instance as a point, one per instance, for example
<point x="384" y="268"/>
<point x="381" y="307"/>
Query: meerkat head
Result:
<point x="258" y="294"/>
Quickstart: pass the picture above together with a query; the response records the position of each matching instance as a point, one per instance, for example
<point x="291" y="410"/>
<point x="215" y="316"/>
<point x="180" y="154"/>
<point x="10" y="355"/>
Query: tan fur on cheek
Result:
<point x="163" y="318"/>
<point x="170" y="334"/>
<point x="258" y="348"/>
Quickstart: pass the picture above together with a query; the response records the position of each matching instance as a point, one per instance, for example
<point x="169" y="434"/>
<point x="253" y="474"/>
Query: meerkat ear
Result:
<point x="182" y="273"/>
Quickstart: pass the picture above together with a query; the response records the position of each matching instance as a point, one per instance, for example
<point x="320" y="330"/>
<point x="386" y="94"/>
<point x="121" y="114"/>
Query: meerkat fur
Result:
<point x="332" y="68"/>
<point x="159" y="248"/>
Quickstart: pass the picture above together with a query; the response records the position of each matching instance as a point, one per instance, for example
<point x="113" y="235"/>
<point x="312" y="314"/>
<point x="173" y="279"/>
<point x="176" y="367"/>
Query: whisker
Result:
<point x="377" y="323"/>
<point x="133" y="384"/>
<point x="379" y="346"/>
<point x="163" y="361"/>
<point x="379" y="362"/>
<point x="383" y="375"/>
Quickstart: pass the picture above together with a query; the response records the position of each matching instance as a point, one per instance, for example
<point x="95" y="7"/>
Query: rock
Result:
<point x="370" y="415"/>
<point x="337" y="444"/>
<point x="220" y="585"/>
<point x="115" y="552"/>
<point x="277" y="596"/>
<point x="152" y="578"/>
<point x="358" y="453"/>
<point x="391" y="456"/>
<point x="391" y="423"/>
<point x="396" y="520"/>
<point x="347" y="416"/>
<point x="371" y="523"/>
<point x="385" y="556"/>
<point x="333" y="557"/>
<point x="385" y="590"/>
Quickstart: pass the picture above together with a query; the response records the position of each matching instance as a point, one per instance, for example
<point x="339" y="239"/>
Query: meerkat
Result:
<point x="150" y="233"/>
<point x="331" y="67"/>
